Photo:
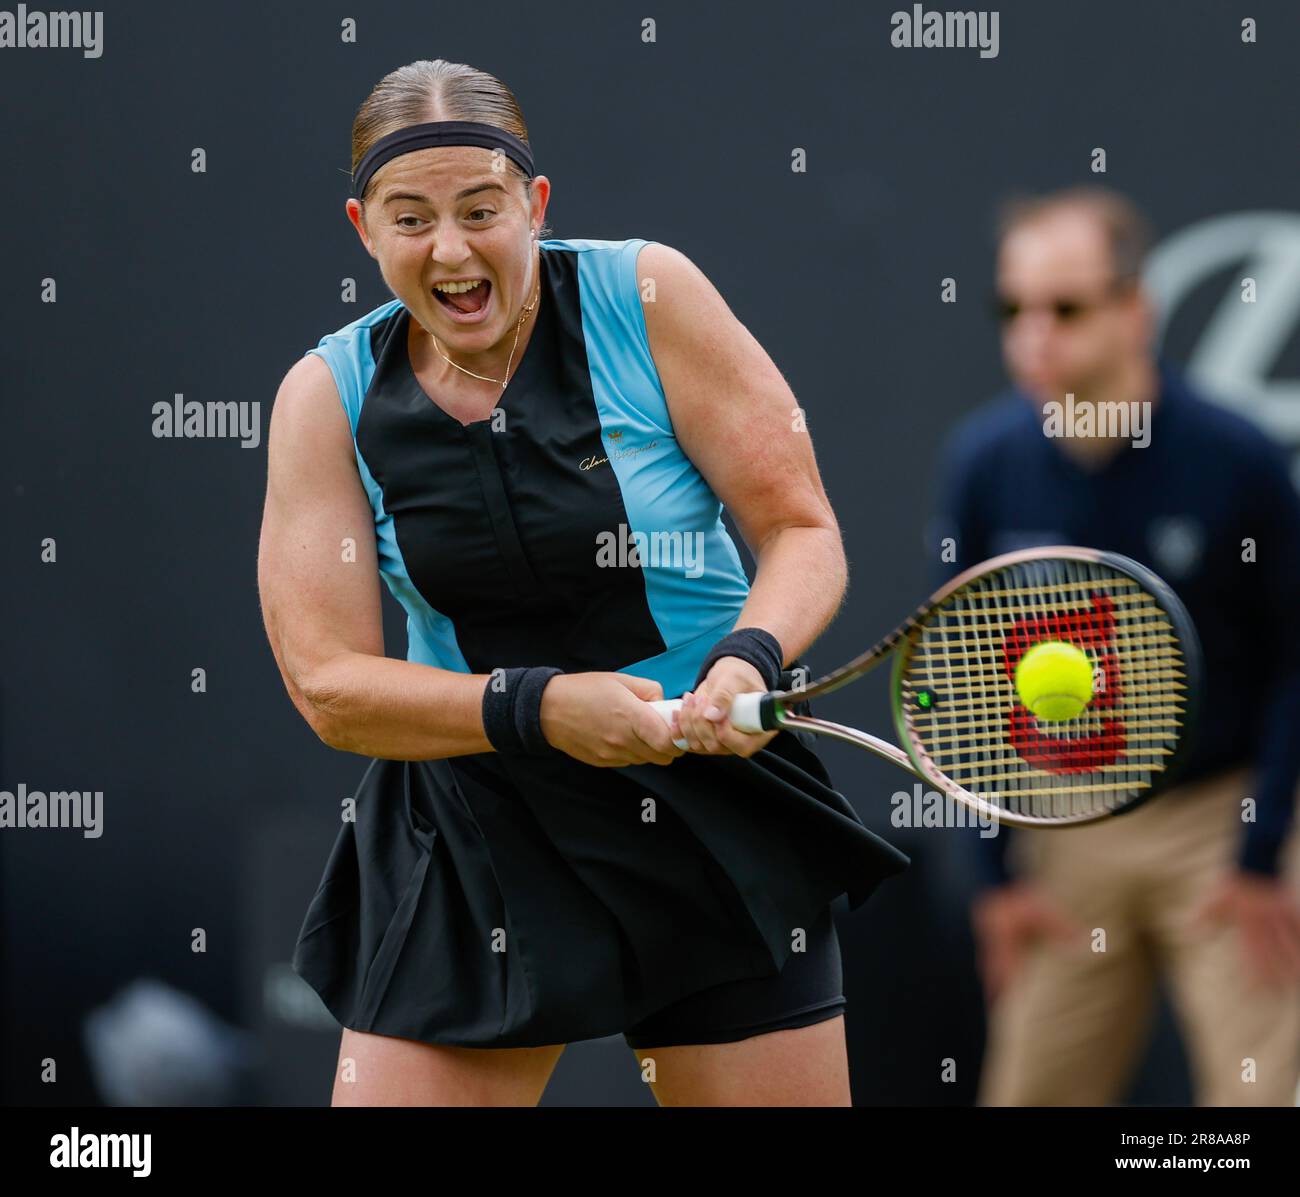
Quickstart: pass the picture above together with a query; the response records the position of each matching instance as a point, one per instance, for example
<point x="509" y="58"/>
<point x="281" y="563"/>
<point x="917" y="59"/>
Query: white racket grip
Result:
<point x="666" y="707"/>
<point x="744" y="714"/>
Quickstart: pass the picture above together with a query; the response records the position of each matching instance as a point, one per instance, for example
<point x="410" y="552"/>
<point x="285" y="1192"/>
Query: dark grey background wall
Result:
<point x="219" y="806"/>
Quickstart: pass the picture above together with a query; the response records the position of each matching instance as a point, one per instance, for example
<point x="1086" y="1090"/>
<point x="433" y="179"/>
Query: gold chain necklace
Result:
<point x="523" y="315"/>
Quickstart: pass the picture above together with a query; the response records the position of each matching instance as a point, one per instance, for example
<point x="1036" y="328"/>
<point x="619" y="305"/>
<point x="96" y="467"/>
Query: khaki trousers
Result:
<point x="1069" y="1027"/>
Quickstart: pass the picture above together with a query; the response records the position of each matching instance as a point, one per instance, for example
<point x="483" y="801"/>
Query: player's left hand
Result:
<point x="1267" y="916"/>
<point x="702" y="720"/>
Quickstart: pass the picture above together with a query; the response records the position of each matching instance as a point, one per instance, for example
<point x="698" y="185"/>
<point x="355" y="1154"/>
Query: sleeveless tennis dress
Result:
<point x="497" y="901"/>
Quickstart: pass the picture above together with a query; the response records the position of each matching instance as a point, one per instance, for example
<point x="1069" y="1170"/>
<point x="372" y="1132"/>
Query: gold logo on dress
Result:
<point x="617" y="452"/>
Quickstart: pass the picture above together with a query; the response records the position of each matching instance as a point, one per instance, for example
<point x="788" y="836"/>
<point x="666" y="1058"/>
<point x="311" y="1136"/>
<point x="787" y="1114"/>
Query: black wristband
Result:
<point x="756" y="645"/>
<point x="512" y="712"/>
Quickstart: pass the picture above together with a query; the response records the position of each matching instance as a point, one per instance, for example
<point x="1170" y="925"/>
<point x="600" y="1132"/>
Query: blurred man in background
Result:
<point x="1199" y="888"/>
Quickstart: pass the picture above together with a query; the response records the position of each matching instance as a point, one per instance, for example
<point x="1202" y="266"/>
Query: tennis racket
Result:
<point x="956" y="708"/>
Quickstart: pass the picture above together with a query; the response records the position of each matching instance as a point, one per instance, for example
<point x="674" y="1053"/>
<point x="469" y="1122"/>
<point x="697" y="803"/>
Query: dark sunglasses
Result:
<point x="1064" y="310"/>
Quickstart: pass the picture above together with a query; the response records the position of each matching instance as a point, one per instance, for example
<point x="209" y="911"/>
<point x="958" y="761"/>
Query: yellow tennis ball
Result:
<point x="1054" y="680"/>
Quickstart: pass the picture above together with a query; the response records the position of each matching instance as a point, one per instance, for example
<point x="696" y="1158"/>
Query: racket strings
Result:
<point x="962" y="711"/>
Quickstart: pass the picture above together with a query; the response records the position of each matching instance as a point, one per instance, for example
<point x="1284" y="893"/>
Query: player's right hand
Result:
<point x="604" y="719"/>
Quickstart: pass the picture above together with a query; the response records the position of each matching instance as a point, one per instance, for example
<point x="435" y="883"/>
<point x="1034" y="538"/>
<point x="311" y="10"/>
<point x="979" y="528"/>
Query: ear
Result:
<point x="541" y="196"/>
<point x="1144" y="317"/>
<point x="353" y="209"/>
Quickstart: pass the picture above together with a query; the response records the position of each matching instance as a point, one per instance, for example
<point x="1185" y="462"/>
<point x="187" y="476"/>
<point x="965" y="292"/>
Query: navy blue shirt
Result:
<point x="1209" y="505"/>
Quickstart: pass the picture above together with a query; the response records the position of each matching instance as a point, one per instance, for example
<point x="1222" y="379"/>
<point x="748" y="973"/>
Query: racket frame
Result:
<point x="902" y="640"/>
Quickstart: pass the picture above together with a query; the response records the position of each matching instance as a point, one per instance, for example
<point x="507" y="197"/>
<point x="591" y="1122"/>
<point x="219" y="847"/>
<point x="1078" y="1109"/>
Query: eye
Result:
<point x="402" y="218"/>
<point x="485" y="211"/>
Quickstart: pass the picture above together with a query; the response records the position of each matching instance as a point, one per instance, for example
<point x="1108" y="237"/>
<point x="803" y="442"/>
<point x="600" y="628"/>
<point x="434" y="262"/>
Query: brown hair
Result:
<point x="434" y="89"/>
<point x="1127" y="228"/>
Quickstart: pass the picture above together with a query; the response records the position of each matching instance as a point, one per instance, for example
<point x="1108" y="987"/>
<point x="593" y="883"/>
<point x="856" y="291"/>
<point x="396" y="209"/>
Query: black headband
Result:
<point x="419" y="137"/>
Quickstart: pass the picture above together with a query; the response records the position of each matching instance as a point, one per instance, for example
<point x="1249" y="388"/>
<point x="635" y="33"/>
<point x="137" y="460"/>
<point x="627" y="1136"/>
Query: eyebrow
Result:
<point x="424" y="199"/>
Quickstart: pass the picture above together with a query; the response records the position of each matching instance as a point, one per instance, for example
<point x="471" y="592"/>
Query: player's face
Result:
<point x="1066" y="326"/>
<point x="448" y="235"/>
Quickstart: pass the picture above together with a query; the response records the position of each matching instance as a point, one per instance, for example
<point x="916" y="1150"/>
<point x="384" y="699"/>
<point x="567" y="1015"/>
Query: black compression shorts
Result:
<point x="808" y="990"/>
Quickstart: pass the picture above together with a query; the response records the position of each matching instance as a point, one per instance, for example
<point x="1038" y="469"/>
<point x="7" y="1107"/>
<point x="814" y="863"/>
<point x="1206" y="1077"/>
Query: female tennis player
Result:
<point x="531" y="445"/>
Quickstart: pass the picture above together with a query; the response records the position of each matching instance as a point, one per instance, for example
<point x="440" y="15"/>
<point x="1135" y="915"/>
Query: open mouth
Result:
<point x="465" y="303"/>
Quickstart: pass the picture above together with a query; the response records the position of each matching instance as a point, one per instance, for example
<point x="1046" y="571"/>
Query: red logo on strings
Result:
<point x="1092" y="629"/>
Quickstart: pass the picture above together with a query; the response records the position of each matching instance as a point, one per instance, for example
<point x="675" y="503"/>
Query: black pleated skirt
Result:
<point x="493" y="901"/>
